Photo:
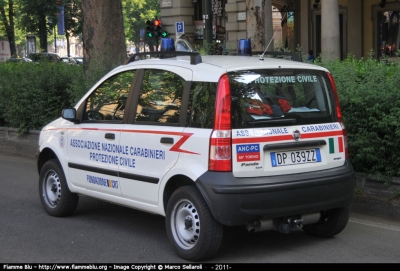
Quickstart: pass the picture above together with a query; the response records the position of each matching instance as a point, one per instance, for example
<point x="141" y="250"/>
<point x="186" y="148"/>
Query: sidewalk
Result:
<point x="372" y="197"/>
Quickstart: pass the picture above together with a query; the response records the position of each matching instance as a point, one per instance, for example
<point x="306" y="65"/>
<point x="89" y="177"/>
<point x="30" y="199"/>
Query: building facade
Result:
<point x="331" y="28"/>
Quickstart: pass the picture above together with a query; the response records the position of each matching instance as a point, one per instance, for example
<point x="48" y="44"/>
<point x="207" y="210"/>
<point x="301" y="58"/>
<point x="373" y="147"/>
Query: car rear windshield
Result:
<point x="280" y="98"/>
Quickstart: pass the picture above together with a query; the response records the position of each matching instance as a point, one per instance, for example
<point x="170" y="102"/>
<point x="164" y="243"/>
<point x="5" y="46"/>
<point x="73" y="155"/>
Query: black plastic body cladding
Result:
<point x="233" y="201"/>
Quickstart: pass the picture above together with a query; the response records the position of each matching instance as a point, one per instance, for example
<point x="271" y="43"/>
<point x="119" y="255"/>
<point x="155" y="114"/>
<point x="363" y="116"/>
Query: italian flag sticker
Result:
<point x="336" y="145"/>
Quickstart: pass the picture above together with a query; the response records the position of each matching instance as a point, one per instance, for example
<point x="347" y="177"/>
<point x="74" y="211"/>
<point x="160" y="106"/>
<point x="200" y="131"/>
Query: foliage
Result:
<point x="136" y="13"/>
<point x="37" y="17"/>
<point x="7" y="18"/>
<point x="370" y="102"/>
<point x="358" y="191"/>
<point x="19" y="35"/>
<point x="32" y="10"/>
<point x="34" y="94"/>
<point x="73" y="18"/>
<point x="206" y="48"/>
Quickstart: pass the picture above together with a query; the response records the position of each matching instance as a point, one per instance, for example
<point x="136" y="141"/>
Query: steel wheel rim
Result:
<point x="185" y="224"/>
<point x="52" y="189"/>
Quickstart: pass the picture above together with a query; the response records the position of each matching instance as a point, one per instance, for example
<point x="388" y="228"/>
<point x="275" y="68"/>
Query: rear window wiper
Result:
<point x="277" y="121"/>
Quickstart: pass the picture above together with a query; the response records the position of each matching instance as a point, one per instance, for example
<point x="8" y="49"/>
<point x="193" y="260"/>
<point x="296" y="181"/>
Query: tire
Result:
<point x="55" y="196"/>
<point x="191" y="228"/>
<point x="331" y="223"/>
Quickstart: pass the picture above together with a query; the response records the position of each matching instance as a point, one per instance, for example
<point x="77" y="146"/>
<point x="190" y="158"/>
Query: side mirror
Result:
<point x="69" y="114"/>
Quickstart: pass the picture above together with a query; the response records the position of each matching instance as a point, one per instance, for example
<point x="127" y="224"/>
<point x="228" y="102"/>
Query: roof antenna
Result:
<point x="262" y="56"/>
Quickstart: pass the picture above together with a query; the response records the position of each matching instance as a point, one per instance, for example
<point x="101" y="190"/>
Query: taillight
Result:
<point x="221" y="138"/>
<point x="339" y="114"/>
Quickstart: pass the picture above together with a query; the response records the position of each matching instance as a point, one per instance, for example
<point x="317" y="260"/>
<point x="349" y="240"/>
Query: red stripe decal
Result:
<point x="153" y="132"/>
<point x="174" y="148"/>
<point x="285" y="137"/>
<point x="86" y="129"/>
<point x="340" y="142"/>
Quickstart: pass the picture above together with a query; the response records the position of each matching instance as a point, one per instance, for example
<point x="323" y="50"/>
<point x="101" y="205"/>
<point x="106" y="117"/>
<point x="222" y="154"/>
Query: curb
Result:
<point x="375" y="206"/>
<point x="372" y="196"/>
<point x="375" y="197"/>
<point x="25" y="144"/>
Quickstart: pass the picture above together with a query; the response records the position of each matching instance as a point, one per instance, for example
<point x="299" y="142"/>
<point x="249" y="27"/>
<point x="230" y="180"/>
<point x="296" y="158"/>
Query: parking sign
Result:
<point x="180" y="29"/>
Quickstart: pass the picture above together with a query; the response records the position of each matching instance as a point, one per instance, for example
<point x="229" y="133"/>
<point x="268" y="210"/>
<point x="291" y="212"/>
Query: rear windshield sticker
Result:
<point x="248" y="153"/>
<point x="262" y="132"/>
<point x="287" y="79"/>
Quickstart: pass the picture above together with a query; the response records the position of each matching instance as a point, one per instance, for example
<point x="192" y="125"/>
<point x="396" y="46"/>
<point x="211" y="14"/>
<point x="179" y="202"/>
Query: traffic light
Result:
<point x="157" y="28"/>
<point x="149" y="29"/>
<point x="153" y="29"/>
<point x="157" y="23"/>
<point x="164" y="34"/>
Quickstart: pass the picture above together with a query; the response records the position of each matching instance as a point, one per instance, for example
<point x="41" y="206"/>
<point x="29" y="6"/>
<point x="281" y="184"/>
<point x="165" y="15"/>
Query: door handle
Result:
<point x="167" y="140"/>
<point x="110" y="136"/>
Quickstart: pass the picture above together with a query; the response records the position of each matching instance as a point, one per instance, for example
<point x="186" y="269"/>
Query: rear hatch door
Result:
<point x="284" y="122"/>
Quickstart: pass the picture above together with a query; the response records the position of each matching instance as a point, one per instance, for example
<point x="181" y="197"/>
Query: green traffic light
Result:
<point x="149" y="34"/>
<point x="164" y="34"/>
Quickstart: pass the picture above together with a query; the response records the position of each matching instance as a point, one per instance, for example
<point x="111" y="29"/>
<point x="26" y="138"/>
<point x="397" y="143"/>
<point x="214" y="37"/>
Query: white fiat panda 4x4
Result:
<point x="207" y="142"/>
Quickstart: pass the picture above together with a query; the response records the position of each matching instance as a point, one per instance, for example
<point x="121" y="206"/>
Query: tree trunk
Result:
<point x="68" y="49"/>
<point x="42" y="30"/>
<point x="9" y="25"/>
<point x="103" y="37"/>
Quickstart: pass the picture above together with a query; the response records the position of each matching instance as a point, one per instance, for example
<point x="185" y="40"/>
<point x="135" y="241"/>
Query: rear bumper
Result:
<point x="233" y="201"/>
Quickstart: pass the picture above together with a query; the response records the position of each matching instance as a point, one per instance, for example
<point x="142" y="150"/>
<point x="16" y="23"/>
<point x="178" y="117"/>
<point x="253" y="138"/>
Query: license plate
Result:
<point x="288" y="158"/>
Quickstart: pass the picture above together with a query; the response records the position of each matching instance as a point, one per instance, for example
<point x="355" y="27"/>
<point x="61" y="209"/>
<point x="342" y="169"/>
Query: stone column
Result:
<point x="330" y="29"/>
<point x="269" y="27"/>
<point x="354" y="42"/>
<point x="305" y="13"/>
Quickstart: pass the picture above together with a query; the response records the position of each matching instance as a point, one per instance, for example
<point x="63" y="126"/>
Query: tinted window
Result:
<point x="182" y="46"/>
<point x="160" y="97"/>
<point x="264" y="97"/>
<point x="201" y="105"/>
<point x="107" y="102"/>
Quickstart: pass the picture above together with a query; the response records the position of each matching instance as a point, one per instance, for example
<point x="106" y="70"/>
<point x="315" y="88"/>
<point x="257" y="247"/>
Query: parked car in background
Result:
<point x="20" y="60"/>
<point x="45" y="57"/>
<point x="69" y="60"/>
<point x="79" y="60"/>
<point x="184" y="45"/>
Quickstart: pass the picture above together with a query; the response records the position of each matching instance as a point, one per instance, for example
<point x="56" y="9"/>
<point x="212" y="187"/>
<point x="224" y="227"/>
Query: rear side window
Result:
<point x="160" y="97"/>
<point x="201" y="107"/>
<point x="284" y="97"/>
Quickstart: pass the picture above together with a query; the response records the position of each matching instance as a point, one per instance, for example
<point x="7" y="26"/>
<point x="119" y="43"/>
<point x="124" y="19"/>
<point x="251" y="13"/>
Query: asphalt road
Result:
<point x="101" y="232"/>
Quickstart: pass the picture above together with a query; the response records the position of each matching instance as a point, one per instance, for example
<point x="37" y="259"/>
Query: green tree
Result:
<point x="8" y="23"/>
<point x="136" y="13"/>
<point x="73" y="20"/>
<point x="36" y="16"/>
<point x="13" y="20"/>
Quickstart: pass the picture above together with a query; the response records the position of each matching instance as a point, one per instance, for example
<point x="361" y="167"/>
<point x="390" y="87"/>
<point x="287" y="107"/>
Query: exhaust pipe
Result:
<point x="284" y="225"/>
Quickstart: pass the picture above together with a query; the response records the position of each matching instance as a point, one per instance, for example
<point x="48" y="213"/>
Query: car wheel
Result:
<point x="331" y="223"/>
<point x="56" y="198"/>
<point x="191" y="228"/>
